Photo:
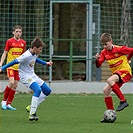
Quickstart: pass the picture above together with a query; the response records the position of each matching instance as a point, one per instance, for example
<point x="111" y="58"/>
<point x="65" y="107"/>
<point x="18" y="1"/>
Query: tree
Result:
<point x="125" y="21"/>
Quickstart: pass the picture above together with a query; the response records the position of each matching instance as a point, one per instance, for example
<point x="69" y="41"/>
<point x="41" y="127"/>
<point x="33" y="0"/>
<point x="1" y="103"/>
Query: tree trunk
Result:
<point x="126" y="21"/>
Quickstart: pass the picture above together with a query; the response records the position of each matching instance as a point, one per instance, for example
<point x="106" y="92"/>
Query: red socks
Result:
<point x="109" y="103"/>
<point x="8" y="95"/>
<point x="117" y="91"/>
<point x="11" y="96"/>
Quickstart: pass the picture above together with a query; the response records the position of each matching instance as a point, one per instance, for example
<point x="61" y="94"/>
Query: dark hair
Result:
<point x="16" y="27"/>
<point x="37" y="42"/>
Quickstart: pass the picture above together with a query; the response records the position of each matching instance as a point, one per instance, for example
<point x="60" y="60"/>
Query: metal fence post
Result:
<point x="71" y="60"/>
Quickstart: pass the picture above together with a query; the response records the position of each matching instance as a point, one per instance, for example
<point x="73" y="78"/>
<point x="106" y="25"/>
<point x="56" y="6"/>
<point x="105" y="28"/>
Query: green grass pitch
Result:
<point x="66" y="113"/>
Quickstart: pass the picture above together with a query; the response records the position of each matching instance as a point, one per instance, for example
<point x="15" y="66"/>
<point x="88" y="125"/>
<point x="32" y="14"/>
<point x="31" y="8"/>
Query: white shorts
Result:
<point x="27" y="80"/>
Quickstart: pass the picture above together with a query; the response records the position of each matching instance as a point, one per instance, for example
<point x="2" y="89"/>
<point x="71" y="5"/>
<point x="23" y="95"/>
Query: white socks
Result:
<point x="33" y="106"/>
<point x="41" y="98"/>
<point x="35" y="102"/>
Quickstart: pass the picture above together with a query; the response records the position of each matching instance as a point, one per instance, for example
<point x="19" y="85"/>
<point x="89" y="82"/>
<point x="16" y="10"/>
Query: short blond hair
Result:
<point x="105" y="37"/>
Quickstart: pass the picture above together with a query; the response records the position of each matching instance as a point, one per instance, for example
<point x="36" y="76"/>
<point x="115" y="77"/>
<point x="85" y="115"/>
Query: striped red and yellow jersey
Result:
<point x="15" y="48"/>
<point x="116" y="58"/>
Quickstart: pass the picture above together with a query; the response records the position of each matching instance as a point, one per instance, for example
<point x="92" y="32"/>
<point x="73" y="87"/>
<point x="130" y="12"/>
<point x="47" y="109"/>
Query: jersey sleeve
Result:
<point x="130" y="55"/>
<point x="41" y="61"/>
<point x="8" y="45"/>
<point x="125" y="50"/>
<point x="100" y="60"/>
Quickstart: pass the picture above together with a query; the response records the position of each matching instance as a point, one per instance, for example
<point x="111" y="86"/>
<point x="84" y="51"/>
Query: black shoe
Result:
<point x="33" y="117"/>
<point x="122" y="106"/>
<point x="103" y="121"/>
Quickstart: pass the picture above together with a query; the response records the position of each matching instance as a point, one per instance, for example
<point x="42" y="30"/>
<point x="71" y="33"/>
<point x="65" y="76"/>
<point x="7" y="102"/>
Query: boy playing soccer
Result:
<point x="28" y="77"/>
<point x="14" y="47"/>
<point x="116" y="57"/>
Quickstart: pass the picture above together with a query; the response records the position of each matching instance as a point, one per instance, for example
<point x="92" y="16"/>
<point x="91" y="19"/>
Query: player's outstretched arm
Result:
<point x="41" y="61"/>
<point x="9" y="64"/>
<point x="44" y="62"/>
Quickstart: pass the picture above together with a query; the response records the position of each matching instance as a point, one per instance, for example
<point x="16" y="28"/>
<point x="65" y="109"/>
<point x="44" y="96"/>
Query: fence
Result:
<point x="71" y="35"/>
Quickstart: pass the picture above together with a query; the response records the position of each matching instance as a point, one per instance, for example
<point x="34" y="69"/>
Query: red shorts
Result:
<point x="125" y="77"/>
<point x="13" y="73"/>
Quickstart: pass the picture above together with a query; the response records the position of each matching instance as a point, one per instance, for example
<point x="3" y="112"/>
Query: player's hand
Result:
<point x="129" y="61"/>
<point x="49" y="63"/>
<point x="97" y="56"/>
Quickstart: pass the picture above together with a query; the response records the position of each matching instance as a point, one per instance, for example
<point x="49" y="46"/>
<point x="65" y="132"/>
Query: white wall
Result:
<point x="72" y="87"/>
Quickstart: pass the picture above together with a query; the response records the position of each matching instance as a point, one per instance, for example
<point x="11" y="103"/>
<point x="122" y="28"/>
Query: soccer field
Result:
<point x="66" y="113"/>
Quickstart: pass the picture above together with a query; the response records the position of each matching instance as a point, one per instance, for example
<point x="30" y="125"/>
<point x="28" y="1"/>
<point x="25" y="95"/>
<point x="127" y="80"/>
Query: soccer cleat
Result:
<point x="28" y="108"/>
<point x="33" y="117"/>
<point x="131" y="122"/>
<point x="9" y="107"/>
<point x="103" y="121"/>
<point x="3" y="105"/>
<point x="122" y="105"/>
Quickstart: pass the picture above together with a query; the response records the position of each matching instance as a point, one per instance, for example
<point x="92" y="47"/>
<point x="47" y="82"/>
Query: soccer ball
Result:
<point x="110" y="116"/>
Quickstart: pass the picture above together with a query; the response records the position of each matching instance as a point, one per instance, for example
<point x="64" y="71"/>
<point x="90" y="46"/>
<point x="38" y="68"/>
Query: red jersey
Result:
<point x="15" y="48"/>
<point x="116" y="58"/>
